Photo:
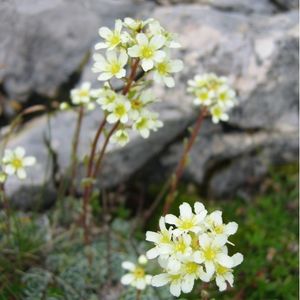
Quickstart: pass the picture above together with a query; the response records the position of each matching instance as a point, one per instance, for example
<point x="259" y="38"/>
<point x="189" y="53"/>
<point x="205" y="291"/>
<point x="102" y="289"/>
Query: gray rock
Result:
<point x="260" y="56"/>
<point x="242" y="6"/>
<point x="287" y="4"/>
<point x="43" y="42"/>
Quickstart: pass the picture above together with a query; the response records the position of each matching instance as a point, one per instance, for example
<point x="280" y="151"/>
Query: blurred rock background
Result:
<point x="45" y="50"/>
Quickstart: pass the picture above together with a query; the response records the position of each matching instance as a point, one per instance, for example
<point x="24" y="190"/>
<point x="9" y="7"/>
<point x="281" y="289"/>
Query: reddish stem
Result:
<point x="182" y="162"/>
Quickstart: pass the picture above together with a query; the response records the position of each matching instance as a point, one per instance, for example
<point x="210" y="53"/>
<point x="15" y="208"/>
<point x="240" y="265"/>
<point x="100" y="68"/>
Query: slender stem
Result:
<point x="74" y="157"/>
<point x="91" y="174"/>
<point x="102" y="152"/>
<point x="183" y="160"/>
<point x="138" y="294"/>
<point x="88" y="187"/>
<point x="6" y="207"/>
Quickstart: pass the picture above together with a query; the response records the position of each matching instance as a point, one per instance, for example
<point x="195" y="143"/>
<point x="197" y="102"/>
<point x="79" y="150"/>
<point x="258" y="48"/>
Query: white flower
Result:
<point x="175" y="281"/>
<point x="106" y="98"/>
<point x="225" y="274"/>
<point x="112" y="66"/>
<point x="15" y="162"/>
<point x="215" y="225"/>
<point x="212" y="251"/>
<point x="121" y="137"/>
<point x="119" y="111"/>
<point x="81" y="95"/>
<point x="136" y="25"/>
<point x="161" y="239"/>
<point x="187" y="221"/>
<point x="138" y="103"/>
<point x="148" y="50"/>
<point x="164" y="69"/>
<point x="137" y="276"/>
<point x="226" y="97"/>
<point x="156" y="29"/>
<point x="218" y="114"/>
<point x="112" y="38"/>
<point x="146" y="122"/>
<point x="204" y="97"/>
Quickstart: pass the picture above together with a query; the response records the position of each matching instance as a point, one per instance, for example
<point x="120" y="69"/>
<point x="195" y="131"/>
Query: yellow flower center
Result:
<point x="17" y="163"/>
<point x="138" y="272"/>
<point x="180" y="246"/>
<point x="165" y="238"/>
<point x="136" y="104"/>
<point x="186" y="224"/>
<point x="217" y="112"/>
<point x="147" y="52"/>
<point x="115" y="68"/>
<point x="174" y="277"/>
<point x="115" y="40"/>
<point x="142" y="123"/>
<point x="221" y="270"/>
<point x="83" y="93"/>
<point x="191" y="268"/>
<point x="219" y="229"/>
<point x="120" y="110"/>
<point x="209" y="253"/>
<point x="163" y="68"/>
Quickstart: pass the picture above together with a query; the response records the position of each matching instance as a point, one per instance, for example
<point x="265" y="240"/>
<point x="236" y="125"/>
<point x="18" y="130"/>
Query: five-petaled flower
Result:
<point x="14" y="162"/>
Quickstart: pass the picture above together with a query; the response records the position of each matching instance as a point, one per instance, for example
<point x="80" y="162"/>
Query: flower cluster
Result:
<point x="14" y="162"/>
<point x="137" y="276"/>
<point x="213" y="93"/>
<point x="133" y="47"/>
<point x="193" y="247"/>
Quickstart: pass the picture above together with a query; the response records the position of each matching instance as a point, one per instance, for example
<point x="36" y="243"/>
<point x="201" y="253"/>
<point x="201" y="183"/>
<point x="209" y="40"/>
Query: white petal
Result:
<point x="219" y="241"/>
<point x="185" y="211"/>
<point x="162" y="224"/>
<point x="9" y="169"/>
<point x="152" y="236"/>
<point x="159" y="56"/>
<point x="237" y="259"/>
<point x="224" y="260"/>
<point x="105" y="32"/>
<point x="169" y="81"/>
<point x="121" y="74"/>
<point x="20" y="151"/>
<point x="198" y="207"/>
<point x="152" y="253"/>
<point x="187" y="284"/>
<point x="147" y="64"/>
<point x="118" y="25"/>
<point x="198" y="257"/>
<point x="127" y="279"/>
<point x="134" y="51"/>
<point x="231" y="228"/>
<point x="142" y="39"/>
<point x="176" y="66"/>
<point x="21" y="173"/>
<point x="171" y="219"/>
<point x="175" y="288"/>
<point x="206" y="277"/>
<point x="123" y="58"/>
<point x="141" y="284"/>
<point x="99" y="59"/>
<point x="229" y="277"/>
<point x="100" y="46"/>
<point x="111" y="119"/>
<point x="157" y="41"/>
<point x="216" y="217"/>
<point x="111" y="56"/>
<point x="173" y="265"/>
<point x="209" y="267"/>
<point x="204" y="240"/>
<point x="221" y="283"/>
<point x="160" y="280"/>
<point x="104" y="76"/>
<point x="127" y="265"/>
<point x="29" y="161"/>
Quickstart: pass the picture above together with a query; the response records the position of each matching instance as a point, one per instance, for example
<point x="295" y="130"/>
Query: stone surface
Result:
<point x="287" y="4"/>
<point x="43" y="42"/>
<point x="243" y="6"/>
<point x="260" y="56"/>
